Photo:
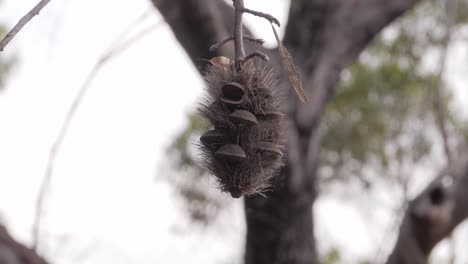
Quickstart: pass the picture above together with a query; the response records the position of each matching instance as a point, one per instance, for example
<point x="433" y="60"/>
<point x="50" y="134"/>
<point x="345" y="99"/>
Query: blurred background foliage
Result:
<point x="198" y="196"/>
<point x="378" y="125"/>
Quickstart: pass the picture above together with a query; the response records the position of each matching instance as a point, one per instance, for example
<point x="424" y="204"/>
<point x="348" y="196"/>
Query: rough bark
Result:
<point x="433" y="214"/>
<point x="198" y="24"/>
<point x="13" y="252"/>
<point x="323" y="36"/>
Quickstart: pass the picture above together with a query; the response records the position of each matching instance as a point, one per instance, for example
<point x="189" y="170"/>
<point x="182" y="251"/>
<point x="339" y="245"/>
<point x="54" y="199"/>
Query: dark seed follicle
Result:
<point x="269" y="147"/>
<point x="230" y="153"/>
<point x="244" y="150"/>
<point x="212" y="138"/>
<point x="271" y="115"/>
<point x="244" y="117"/>
<point x="233" y="93"/>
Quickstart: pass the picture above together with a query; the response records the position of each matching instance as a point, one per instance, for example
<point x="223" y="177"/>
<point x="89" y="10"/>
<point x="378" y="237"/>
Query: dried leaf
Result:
<point x="291" y="70"/>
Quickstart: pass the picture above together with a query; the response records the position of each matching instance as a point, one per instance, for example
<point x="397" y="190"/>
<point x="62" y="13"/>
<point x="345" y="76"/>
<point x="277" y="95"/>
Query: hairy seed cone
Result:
<point x="244" y="148"/>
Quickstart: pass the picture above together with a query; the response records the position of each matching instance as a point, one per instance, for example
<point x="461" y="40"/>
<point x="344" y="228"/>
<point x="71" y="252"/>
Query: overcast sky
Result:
<point x="104" y="197"/>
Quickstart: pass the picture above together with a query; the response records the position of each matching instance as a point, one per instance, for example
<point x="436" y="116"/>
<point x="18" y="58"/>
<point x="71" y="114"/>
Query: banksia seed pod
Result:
<point x="244" y="148"/>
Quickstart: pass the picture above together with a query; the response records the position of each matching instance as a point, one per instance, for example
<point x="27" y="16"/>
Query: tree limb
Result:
<point x="326" y="36"/>
<point x="434" y="214"/>
<point x="13" y="252"/>
<point x="22" y="22"/>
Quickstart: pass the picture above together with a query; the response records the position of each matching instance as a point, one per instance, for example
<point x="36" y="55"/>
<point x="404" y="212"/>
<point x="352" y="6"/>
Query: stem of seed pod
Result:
<point x="238" y="33"/>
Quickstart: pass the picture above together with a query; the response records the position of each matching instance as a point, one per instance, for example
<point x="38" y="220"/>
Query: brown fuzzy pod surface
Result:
<point x="244" y="148"/>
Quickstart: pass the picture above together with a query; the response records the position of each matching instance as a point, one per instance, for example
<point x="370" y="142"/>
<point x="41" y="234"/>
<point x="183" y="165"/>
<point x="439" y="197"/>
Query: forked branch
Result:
<point x="268" y="17"/>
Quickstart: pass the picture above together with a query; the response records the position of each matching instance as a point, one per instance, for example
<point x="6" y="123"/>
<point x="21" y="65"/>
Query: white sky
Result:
<point x="104" y="194"/>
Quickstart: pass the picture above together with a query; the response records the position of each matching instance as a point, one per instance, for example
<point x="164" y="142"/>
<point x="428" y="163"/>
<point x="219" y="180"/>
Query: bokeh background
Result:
<point x="125" y="180"/>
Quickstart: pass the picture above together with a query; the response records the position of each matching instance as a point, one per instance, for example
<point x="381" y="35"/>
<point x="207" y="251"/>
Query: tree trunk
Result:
<point x="280" y="227"/>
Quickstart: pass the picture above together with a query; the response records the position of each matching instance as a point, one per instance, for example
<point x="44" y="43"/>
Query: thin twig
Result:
<point x="129" y="29"/>
<point x="22" y="22"/>
<point x="125" y="45"/>
<point x="255" y="40"/>
<point x="268" y="17"/>
<point x="246" y="37"/>
<point x="221" y="43"/>
<point x="439" y="100"/>
<point x="45" y="185"/>
<point x="257" y="54"/>
<point x="439" y="103"/>
<point x="238" y="33"/>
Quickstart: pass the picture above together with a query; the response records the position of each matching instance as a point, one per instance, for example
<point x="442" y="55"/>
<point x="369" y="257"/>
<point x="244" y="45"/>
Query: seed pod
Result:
<point x="269" y="152"/>
<point x="230" y="153"/>
<point x="212" y="138"/>
<point x="269" y="148"/>
<point x="233" y="93"/>
<point x="235" y="193"/>
<point x="244" y="117"/>
<point x="270" y="115"/>
<point x="244" y="107"/>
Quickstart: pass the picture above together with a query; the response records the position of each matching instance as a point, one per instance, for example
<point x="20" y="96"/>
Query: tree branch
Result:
<point x="328" y="36"/>
<point x="434" y="214"/>
<point x="238" y="33"/>
<point x="22" y="22"/>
